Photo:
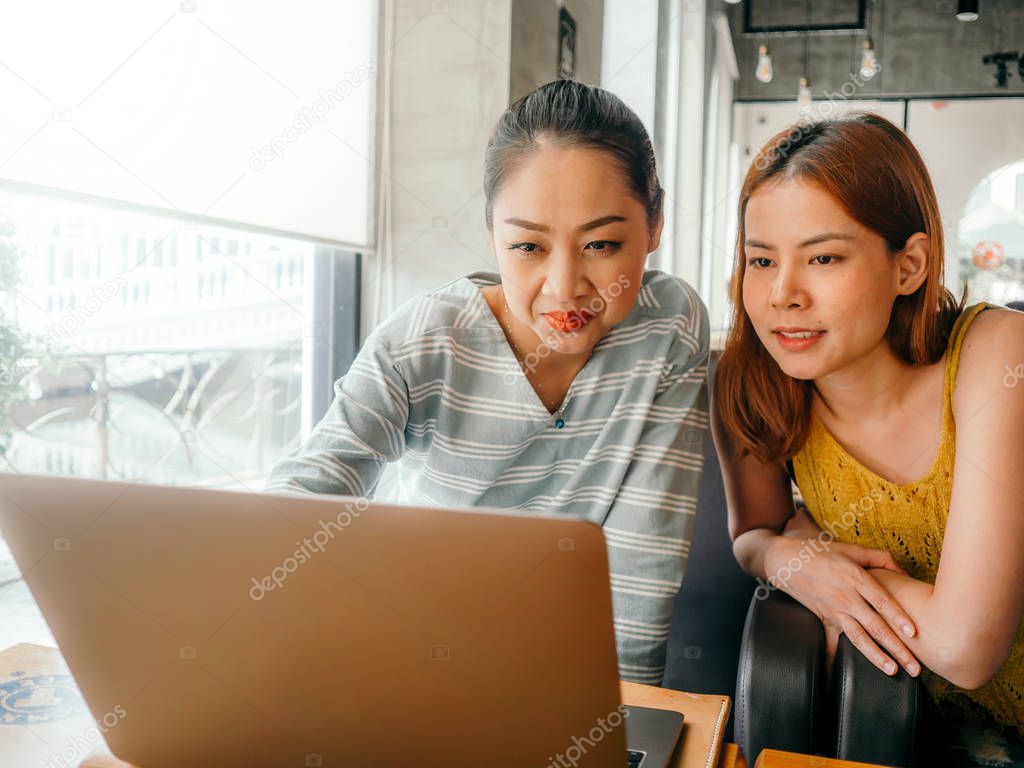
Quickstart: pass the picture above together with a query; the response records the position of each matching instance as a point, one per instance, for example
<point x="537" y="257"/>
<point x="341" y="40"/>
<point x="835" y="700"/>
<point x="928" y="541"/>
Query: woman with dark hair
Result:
<point x="572" y="383"/>
<point x="850" y="368"/>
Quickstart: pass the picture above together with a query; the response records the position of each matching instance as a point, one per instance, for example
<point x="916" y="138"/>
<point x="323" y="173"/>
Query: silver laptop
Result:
<point x="239" y="629"/>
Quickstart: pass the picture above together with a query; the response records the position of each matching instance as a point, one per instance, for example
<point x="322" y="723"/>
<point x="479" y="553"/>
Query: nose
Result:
<point x="787" y="289"/>
<point x="565" y="279"/>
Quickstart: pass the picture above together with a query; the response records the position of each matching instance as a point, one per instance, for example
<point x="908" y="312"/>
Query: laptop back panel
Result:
<point x="243" y="629"/>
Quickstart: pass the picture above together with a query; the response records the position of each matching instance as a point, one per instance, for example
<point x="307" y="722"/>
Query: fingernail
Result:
<point x="914" y="670"/>
<point x="908" y="630"/>
<point x="891" y="667"/>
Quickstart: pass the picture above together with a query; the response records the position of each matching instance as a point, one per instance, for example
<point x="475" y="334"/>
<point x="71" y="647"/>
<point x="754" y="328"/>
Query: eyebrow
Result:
<point x="584" y="228"/>
<point x="822" y="238"/>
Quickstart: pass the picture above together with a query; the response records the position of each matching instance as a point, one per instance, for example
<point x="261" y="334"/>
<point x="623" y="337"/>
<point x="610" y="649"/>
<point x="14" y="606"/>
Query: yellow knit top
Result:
<point x="909" y="520"/>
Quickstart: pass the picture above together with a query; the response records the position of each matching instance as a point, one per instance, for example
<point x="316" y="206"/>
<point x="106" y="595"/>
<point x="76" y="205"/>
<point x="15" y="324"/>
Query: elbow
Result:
<point x="739" y="553"/>
<point x="972" y="667"/>
<point x="748" y="545"/>
<point x="969" y="678"/>
<point x="738" y="529"/>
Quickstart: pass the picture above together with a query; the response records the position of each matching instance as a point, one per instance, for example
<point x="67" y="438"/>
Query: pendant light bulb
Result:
<point x="868" y="61"/>
<point x="804" y="98"/>
<point x="764" y="72"/>
<point x="967" y="10"/>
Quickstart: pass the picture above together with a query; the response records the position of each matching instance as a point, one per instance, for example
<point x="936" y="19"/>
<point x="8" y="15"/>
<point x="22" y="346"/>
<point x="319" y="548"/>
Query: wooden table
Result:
<point x="772" y="758"/>
<point x="47" y="721"/>
<point x="704" y="719"/>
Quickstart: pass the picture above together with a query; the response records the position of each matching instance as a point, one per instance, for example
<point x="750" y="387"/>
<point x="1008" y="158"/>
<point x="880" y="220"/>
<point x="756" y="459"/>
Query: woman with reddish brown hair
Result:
<point x="852" y="370"/>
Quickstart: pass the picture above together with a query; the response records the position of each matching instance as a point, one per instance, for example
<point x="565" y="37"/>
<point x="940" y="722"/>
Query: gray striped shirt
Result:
<point x="437" y="388"/>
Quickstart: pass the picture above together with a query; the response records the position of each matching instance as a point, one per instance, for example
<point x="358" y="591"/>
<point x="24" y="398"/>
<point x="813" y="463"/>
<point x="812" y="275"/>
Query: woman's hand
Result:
<point x="832" y="582"/>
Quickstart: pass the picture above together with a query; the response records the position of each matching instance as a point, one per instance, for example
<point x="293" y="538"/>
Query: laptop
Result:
<point x="210" y="627"/>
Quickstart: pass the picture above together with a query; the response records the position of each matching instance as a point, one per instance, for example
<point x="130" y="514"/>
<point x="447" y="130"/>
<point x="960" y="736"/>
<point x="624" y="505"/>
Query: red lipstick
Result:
<point x="568" y="322"/>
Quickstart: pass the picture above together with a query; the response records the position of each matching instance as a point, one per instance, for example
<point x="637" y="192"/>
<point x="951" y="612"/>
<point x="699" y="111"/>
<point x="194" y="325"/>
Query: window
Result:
<point x="194" y="123"/>
<point x="126" y="252"/>
<point x="974" y="150"/>
<point x="176" y="385"/>
<point x="198" y="108"/>
<point x="990" y="238"/>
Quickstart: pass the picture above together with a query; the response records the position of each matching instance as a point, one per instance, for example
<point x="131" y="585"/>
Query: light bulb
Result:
<point x="764" y="71"/>
<point x="804" y="95"/>
<point x="868" y="61"/>
<point x="967" y="10"/>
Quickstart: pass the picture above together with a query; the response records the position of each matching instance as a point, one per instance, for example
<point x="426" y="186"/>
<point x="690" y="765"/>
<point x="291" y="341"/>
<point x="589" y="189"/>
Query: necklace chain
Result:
<point x="506" y="327"/>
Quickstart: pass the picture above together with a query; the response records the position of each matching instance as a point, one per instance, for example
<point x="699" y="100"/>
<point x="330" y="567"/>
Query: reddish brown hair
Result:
<point x="873" y="170"/>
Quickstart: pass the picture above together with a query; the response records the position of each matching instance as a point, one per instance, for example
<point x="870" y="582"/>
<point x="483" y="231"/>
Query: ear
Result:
<point x="912" y="263"/>
<point x="655" y="237"/>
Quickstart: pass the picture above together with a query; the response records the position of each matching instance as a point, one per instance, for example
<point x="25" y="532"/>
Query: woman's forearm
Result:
<point x="942" y="644"/>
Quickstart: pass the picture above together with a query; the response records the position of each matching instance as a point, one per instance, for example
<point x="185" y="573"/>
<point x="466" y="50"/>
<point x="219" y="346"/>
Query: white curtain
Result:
<point x="245" y="110"/>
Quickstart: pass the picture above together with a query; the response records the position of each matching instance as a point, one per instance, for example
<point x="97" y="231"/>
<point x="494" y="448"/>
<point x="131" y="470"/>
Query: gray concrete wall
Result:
<point x="534" y="59"/>
<point x="922" y="48"/>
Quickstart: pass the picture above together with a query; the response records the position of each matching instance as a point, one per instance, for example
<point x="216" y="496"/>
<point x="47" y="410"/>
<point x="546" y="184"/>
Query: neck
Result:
<point x="874" y="384"/>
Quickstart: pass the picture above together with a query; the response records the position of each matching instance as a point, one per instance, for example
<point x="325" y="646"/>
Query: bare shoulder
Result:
<point x="991" y="358"/>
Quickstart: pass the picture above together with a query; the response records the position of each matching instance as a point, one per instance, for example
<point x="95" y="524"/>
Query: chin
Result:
<point x="808" y="367"/>
<point x="572" y="347"/>
<point x="569" y="344"/>
<point x="802" y="370"/>
<point x="804" y="366"/>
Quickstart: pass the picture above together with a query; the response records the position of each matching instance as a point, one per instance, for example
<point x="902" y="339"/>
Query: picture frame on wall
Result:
<point x="566" y="45"/>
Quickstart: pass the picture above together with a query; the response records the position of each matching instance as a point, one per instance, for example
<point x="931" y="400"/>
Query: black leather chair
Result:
<point x="781" y="693"/>
<point x="782" y="700"/>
